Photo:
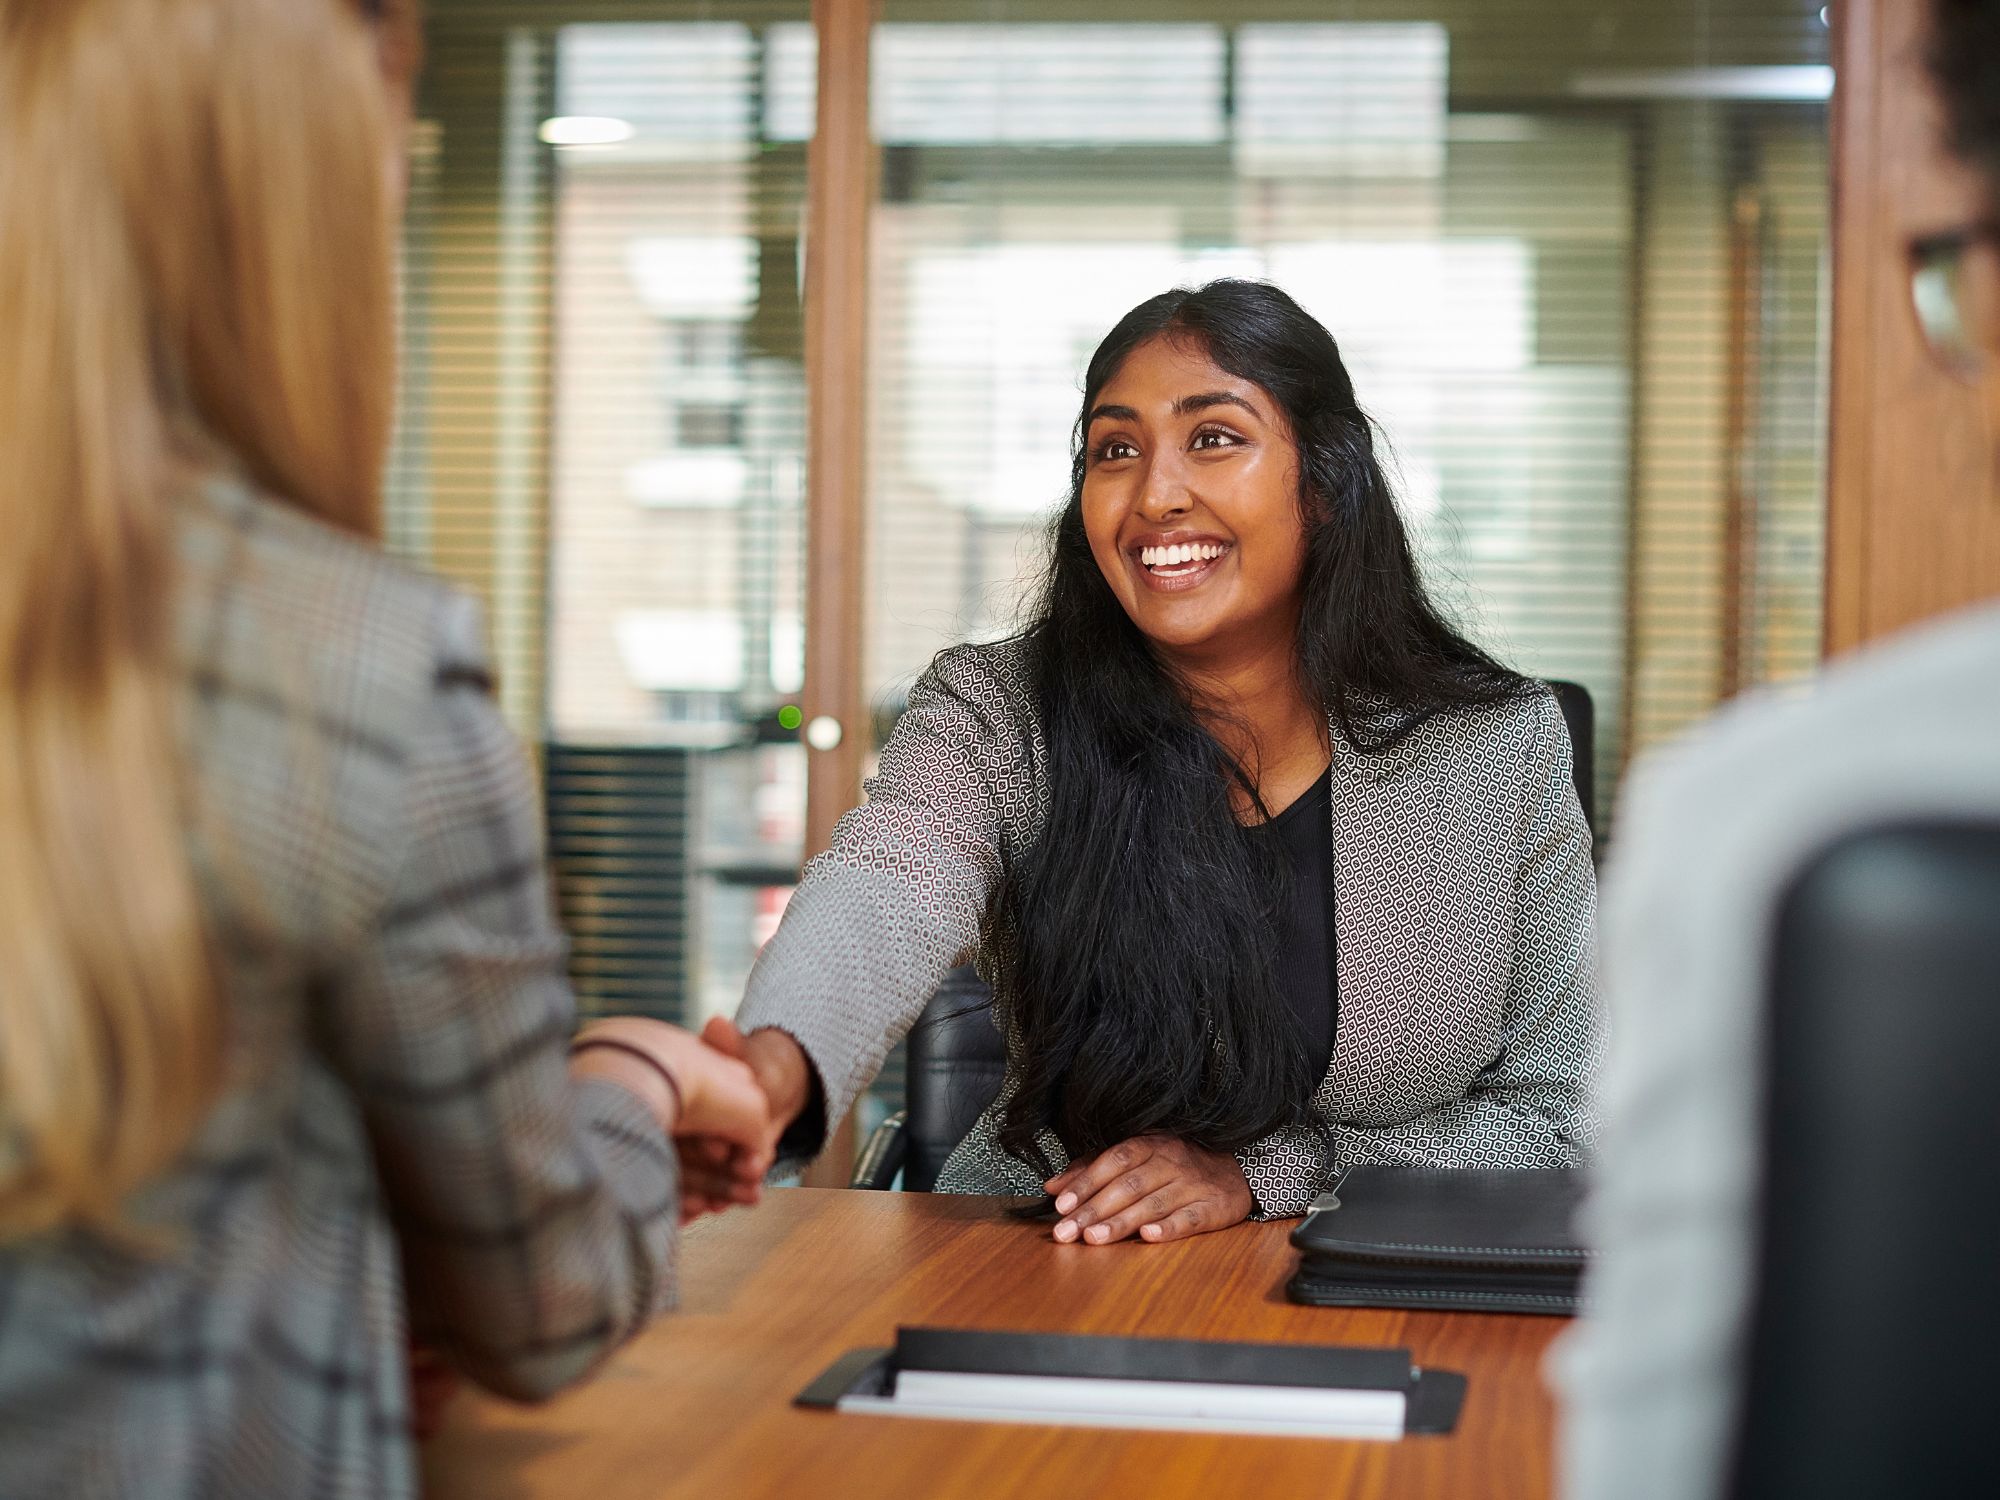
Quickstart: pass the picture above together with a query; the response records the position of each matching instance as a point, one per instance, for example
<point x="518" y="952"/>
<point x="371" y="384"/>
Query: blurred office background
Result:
<point x="1575" y="254"/>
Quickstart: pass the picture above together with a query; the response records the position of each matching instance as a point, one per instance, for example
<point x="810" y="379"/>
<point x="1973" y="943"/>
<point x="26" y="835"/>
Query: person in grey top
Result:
<point x="283" y="1015"/>
<point x="1232" y="619"/>
<point x="1712" y="833"/>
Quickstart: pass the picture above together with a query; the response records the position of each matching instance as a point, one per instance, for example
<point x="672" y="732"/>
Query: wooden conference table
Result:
<point x="700" y="1405"/>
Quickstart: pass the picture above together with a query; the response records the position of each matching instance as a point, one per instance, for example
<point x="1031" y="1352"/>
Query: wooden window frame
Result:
<point x="840" y="200"/>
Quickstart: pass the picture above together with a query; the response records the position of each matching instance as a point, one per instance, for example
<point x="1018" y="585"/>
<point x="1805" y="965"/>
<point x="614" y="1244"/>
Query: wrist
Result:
<point x="782" y="1069"/>
<point x="634" y="1069"/>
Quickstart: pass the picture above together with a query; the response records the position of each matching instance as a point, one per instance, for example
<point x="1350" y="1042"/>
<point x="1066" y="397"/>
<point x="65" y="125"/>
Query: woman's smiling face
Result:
<point x="1191" y="503"/>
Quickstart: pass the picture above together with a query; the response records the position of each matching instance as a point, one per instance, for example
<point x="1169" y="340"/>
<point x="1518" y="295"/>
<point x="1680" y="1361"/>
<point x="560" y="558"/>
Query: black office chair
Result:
<point x="956" y="1063"/>
<point x="1876" y="1317"/>
<point x="957" y="1059"/>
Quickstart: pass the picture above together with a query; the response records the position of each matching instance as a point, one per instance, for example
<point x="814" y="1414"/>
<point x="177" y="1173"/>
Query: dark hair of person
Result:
<point x="1140" y="924"/>
<point x="1965" y="60"/>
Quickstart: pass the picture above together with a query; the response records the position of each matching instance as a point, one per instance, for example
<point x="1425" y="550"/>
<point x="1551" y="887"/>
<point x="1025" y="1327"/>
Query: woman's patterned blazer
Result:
<point x="1464" y="904"/>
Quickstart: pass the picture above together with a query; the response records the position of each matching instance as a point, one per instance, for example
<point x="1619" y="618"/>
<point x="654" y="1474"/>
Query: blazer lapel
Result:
<point x="1408" y="935"/>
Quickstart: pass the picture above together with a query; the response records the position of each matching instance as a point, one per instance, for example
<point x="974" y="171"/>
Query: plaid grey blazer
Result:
<point x="398" y="1102"/>
<point x="1464" y="902"/>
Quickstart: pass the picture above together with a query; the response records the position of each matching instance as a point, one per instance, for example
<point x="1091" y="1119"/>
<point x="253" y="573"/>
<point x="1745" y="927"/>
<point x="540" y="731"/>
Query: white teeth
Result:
<point x="1179" y="555"/>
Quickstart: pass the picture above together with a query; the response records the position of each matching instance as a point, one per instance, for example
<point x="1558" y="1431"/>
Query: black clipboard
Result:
<point x="1433" y="1398"/>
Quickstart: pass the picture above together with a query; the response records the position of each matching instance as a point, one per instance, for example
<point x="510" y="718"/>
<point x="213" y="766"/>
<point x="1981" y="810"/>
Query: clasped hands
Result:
<point x="702" y="1096"/>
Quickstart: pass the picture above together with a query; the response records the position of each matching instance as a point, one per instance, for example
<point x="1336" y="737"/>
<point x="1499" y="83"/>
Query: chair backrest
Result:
<point x="1877" y="1306"/>
<point x="957" y="1061"/>
<point x="1580" y="714"/>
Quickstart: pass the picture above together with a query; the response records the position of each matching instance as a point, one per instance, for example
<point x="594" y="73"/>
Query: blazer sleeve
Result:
<point x="537" y="1217"/>
<point x="1529" y="1107"/>
<point x="900" y="897"/>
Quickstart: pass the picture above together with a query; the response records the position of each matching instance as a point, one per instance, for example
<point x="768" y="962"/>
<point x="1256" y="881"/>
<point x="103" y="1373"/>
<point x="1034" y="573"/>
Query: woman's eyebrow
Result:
<point x="1183" y="407"/>
<point x="1207" y="399"/>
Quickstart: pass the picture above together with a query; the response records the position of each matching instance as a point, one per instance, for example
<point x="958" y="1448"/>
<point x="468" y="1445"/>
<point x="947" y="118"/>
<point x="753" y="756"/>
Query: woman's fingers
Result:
<point x="1189" y="1219"/>
<point x="1085" y="1182"/>
<point x="1088" y="1219"/>
<point x="1156" y="1207"/>
<point x="733" y="1181"/>
<point x="1154" y="1187"/>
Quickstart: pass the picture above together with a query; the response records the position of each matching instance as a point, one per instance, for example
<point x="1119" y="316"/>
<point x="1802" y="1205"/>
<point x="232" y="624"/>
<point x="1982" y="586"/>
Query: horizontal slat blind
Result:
<point x="620" y="837"/>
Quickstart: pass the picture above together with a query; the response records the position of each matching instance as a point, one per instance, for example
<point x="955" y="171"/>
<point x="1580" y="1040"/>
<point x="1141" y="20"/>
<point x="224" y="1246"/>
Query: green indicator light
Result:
<point x="789" y="717"/>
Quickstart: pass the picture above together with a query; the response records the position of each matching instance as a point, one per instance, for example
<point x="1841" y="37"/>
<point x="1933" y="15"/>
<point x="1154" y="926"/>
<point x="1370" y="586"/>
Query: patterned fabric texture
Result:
<point x="398" y="1100"/>
<point x="1464" y="902"/>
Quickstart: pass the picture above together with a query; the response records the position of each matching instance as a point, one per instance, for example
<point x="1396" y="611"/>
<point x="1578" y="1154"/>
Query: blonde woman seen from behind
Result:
<point x="283" y="1021"/>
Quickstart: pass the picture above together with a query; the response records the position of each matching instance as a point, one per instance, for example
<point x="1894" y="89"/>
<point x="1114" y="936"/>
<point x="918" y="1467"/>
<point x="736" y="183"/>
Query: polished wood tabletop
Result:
<point x="701" y="1404"/>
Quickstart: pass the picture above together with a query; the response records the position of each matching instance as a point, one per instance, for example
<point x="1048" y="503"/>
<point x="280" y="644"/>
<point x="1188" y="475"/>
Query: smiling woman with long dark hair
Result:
<point x="1271" y="869"/>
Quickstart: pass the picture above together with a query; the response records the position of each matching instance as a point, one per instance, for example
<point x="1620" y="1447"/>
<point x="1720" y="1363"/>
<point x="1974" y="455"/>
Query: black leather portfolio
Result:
<point x="1468" y="1240"/>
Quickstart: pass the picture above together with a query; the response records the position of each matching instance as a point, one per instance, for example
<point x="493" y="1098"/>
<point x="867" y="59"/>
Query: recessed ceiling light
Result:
<point x="585" y="130"/>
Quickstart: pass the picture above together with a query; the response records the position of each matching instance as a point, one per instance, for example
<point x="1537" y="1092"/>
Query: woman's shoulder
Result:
<point x="321" y="677"/>
<point x="1526" y="716"/>
<point x="274" y="600"/>
<point x="993" y="678"/>
<point x="1489" y="739"/>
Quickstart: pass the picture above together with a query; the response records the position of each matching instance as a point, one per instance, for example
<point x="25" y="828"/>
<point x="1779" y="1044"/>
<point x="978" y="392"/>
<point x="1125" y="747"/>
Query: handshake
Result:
<point x="724" y="1098"/>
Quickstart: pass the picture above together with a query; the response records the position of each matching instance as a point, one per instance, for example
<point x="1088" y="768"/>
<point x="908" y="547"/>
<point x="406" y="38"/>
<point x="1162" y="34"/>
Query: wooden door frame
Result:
<point x="840" y="200"/>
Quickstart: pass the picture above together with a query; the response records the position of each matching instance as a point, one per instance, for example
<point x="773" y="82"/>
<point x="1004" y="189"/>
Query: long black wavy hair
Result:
<point x="1141" y="922"/>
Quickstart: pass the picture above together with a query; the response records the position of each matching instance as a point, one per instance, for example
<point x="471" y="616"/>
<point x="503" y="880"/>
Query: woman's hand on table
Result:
<point x="714" y="1108"/>
<point x="1155" y="1187"/>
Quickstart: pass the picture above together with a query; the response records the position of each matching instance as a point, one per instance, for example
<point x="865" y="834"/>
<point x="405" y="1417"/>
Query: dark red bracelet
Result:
<point x="616" y="1044"/>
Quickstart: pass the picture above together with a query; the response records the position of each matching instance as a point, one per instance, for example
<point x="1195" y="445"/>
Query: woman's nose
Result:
<point x="1165" y="492"/>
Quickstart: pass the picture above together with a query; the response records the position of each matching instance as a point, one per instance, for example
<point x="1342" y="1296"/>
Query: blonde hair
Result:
<point x="195" y="258"/>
